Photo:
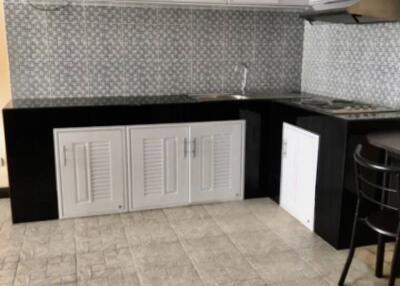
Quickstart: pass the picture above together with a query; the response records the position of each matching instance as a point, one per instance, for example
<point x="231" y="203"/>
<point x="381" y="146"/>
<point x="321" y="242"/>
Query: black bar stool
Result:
<point x="386" y="220"/>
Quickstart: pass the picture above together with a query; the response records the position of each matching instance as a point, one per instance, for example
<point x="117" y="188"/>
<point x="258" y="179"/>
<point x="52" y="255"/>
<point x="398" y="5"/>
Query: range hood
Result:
<point x="353" y="11"/>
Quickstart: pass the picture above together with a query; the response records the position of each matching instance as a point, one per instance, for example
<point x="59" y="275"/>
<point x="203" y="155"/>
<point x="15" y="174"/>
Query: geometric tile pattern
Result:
<point x="353" y="61"/>
<point x="93" y="51"/>
<point x="246" y="243"/>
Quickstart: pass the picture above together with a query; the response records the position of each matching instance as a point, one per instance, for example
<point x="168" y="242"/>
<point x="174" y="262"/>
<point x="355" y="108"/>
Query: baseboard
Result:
<point x="4" y="193"/>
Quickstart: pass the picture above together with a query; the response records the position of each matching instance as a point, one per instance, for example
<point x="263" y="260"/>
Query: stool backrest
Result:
<point x="375" y="192"/>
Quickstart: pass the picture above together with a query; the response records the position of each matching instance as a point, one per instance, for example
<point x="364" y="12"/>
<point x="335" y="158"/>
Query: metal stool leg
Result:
<point x="352" y="248"/>
<point x="380" y="257"/>
<point x="380" y="254"/>
<point x="395" y="261"/>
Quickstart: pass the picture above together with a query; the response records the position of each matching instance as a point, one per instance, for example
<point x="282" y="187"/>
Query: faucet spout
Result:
<point x="243" y="85"/>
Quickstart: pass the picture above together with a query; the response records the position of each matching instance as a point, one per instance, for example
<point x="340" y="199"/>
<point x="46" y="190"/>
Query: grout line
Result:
<point x="184" y="249"/>
<point x="132" y="253"/>
<point x="235" y="245"/>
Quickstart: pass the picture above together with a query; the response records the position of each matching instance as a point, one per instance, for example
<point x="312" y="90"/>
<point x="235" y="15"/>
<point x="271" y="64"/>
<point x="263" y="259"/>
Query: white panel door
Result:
<point x="299" y="173"/>
<point x="217" y="161"/>
<point x="159" y="166"/>
<point x="91" y="171"/>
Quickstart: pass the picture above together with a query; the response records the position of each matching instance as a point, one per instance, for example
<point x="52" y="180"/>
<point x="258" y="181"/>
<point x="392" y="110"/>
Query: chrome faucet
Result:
<point x="243" y="86"/>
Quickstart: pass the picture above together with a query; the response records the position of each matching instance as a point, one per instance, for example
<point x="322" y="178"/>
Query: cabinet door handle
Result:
<point x="65" y="149"/>
<point x="185" y="147"/>
<point x="194" y="148"/>
<point x="284" y="148"/>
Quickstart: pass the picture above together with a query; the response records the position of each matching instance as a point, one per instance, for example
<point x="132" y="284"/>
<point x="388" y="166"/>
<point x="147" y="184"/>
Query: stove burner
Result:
<point x="341" y="106"/>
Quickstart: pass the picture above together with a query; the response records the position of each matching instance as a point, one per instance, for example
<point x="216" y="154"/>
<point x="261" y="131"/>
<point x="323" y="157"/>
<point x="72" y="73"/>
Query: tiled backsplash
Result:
<point x="353" y="61"/>
<point x="85" y="51"/>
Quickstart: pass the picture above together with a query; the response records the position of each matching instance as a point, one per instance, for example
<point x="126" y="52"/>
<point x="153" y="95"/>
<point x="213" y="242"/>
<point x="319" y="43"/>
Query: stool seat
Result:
<point x="385" y="222"/>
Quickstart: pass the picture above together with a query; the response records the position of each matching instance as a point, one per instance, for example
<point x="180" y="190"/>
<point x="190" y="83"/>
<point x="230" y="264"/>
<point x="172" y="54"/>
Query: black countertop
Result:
<point x="97" y="101"/>
<point x="291" y="99"/>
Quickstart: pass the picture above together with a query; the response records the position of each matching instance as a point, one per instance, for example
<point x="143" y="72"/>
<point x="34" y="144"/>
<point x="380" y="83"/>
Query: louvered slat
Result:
<point x="222" y="161"/>
<point x="100" y="170"/>
<point x="153" y="166"/>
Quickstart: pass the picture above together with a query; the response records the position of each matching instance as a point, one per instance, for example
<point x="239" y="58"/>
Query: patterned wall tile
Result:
<point x="30" y="79"/>
<point x="174" y="77"/>
<point x="67" y="41"/>
<point x="175" y="42"/>
<point x="238" y="18"/>
<point x="208" y="17"/>
<point x="106" y="78"/>
<point x="72" y="13"/>
<point x="353" y="62"/>
<point x="108" y="50"/>
<point x="139" y="15"/>
<point x="142" y="78"/>
<point x="141" y="42"/>
<point x="175" y="16"/>
<point x="207" y="76"/>
<point x="69" y="79"/>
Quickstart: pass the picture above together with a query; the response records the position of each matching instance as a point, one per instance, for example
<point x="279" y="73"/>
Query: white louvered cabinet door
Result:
<point x="91" y="171"/>
<point x="159" y="166"/>
<point x="217" y="161"/>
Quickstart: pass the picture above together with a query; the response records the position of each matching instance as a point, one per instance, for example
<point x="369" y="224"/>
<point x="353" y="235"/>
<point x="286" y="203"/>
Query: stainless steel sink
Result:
<point x="220" y="96"/>
<point x="249" y="96"/>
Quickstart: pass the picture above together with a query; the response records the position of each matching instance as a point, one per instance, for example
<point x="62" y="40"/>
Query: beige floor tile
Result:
<point x="204" y="248"/>
<point x="226" y="209"/>
<point x="274" y="217"/>
<point x="159" y="255"/>
<point x="368" y="256"/>
<point x="7" y="276"/>
<point x="114" y="237"/>
<point x="196" y="228"/>
<point x="150" y="232"/>
<point x="110" y="276"/>
<point x="252" y="282"/>
<point x="86" y="245"/>
<point x="186" y="213"/>
<point x="225" y="268"/>
<point x="119" y="258"/>
<point x="32" y="271"/>
<point x="282" y="267"/>
<point x="113" y="280"/>
<point x="360" y="281"/>
<point x="321" y="250"/>
<point x="35" y="247"/>
<point x="331" y="268"/>
<point x="244" y="222"/>
<point x="298" y="236"/>
<point x="141" y="217"/>
<point x="258" y="242"/>
<point x="61" y="266"/>
<point x="265" y="246"/>
<point x="91" y="265"/>
<point x="318" y="281"/>
<point x="62" y="247"/>
<point x="171" y="276"/>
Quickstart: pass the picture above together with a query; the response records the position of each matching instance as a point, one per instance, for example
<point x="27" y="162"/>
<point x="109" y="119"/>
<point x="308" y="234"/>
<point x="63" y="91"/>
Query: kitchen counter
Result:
<point x="29" y="128"/>
<point x="98" y="101"/>
<point x="290" y="99"/>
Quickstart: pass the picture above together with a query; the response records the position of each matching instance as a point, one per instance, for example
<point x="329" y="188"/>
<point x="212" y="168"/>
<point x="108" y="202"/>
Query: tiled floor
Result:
<point x="249" y="243"/>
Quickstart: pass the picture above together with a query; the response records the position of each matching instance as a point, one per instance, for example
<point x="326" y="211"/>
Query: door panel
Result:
<point x="159" y="166"/>
<point x="91" y="167"/>
<point x="217" y="150"/>
<point x="299" y="173"/>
